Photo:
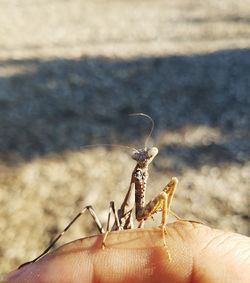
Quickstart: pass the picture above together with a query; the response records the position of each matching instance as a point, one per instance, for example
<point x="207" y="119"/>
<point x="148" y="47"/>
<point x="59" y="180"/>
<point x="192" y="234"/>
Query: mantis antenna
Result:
<point x="126" y="146"/>
<point x="107" y="144"/>
<point x="151" y="128"/>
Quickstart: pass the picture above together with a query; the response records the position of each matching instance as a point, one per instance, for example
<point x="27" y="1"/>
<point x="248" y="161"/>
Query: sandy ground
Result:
<point x="72" y="71"/>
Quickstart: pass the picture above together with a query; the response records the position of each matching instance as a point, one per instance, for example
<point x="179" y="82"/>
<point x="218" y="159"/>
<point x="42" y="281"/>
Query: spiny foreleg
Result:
<point x="161" y="202"/>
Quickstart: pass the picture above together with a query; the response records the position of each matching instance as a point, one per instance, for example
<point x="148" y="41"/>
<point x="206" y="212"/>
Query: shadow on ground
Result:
<point x="59" y="104"/>
<point x="200" y="106"/>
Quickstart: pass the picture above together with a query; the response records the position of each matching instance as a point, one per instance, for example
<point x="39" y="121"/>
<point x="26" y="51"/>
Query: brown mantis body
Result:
<point x="135" y="197"/>
<point x="138" y="186"/>
<point x="137" y="191"/>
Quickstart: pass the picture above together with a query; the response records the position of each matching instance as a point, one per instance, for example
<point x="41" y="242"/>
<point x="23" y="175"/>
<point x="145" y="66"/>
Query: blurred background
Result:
<point x="72" y="71"/>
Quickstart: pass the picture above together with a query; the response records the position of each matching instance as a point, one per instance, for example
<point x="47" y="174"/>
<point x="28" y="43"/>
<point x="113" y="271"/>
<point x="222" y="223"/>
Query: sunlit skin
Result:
<point x="199" y="255"/>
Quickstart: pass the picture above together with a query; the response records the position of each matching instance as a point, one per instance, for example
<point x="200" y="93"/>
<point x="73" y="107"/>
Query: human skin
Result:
<point x="195" y="253"/>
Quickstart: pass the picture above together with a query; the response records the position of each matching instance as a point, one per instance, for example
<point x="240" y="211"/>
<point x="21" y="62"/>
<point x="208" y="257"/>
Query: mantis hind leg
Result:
<point x="88" y="208"/>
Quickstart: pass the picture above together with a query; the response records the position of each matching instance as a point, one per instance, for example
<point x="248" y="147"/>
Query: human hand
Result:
<point x="199" y="255"/>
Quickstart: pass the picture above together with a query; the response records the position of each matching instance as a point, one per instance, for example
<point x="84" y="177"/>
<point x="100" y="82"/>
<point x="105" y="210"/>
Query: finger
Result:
<point x="197" y="255"/>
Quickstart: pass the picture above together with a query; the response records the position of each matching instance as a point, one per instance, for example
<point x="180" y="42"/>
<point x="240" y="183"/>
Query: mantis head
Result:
<point x="144" y="156"/>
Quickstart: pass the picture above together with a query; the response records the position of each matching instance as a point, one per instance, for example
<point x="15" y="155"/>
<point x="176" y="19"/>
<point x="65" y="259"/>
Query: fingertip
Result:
<point x="198" y="254"/>
<point x="129" y="256"/>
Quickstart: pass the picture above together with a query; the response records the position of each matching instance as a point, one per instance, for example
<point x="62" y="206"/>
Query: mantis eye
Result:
<point x="152" y="152"/>
<point x="135" y="155"/>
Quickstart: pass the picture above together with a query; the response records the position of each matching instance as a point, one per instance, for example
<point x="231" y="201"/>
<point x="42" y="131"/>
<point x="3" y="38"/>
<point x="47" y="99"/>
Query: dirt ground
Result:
<point x="72" y="71"/>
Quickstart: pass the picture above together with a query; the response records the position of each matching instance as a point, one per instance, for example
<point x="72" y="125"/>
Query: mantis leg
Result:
<point x="112" y="209"/>
<point x="161" y="202"/>
<point x="88" y="208"/>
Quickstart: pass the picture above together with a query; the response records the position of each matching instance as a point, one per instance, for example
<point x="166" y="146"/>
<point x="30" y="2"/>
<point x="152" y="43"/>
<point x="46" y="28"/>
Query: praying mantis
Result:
<point x="135" y="197"/>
